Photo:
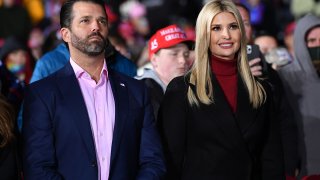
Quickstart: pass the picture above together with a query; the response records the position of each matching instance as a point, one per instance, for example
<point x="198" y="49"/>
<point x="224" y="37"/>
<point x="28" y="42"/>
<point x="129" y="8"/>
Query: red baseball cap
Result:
<point x="168" y="37"/>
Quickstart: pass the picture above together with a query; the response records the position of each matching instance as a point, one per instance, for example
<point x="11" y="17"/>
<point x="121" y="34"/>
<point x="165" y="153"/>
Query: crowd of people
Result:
<point x="159" y="89"/>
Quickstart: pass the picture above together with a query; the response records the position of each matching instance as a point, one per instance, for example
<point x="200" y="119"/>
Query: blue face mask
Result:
<point x="14" y="68"/>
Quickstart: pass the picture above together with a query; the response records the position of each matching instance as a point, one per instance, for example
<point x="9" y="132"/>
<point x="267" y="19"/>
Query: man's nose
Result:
<point x="95" y="26"/>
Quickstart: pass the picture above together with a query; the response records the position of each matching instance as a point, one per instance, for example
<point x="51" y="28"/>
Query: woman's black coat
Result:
<point x="212" y="142"/>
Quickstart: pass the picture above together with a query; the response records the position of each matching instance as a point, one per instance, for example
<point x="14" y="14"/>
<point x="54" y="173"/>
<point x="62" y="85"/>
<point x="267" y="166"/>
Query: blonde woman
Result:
<point x="217" y="122"/>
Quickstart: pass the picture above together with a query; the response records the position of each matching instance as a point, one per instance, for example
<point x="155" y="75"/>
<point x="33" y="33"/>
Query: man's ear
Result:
<point x="153" y="60"/>
<point x="65" y="34"/>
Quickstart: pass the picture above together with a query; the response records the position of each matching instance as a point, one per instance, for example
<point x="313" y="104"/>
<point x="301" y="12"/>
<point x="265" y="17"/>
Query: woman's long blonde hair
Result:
<point x="7" y="118"/>
<point x="200" y="71"/>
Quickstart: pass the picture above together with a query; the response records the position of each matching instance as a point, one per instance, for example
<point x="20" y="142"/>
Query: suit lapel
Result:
<point x="120" y="94"/>
<point x="74" y="101"/>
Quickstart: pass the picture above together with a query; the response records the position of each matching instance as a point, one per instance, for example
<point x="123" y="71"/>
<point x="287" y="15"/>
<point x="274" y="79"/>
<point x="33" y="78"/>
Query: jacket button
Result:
<point x="93" y="164"/>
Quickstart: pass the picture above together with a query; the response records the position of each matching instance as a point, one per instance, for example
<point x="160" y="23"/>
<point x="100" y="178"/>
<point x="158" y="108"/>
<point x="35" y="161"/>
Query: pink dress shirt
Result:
<point x="100" y="104"/>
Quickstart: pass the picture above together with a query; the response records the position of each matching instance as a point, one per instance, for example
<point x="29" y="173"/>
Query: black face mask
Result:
<point x="314" y="53"/>
<point x="315" y="57"/>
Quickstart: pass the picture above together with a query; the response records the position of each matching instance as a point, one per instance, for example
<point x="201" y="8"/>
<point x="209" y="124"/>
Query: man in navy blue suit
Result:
<point x="86" y="121"/>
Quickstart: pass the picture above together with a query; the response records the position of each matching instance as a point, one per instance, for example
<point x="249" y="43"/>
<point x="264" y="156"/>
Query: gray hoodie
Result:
<point x="150" y="73"/>
<point x="302" y="85"/>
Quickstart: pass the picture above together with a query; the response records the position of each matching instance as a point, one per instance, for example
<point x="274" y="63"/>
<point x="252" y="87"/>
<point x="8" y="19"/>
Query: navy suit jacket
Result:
<point x="57" y="137"/>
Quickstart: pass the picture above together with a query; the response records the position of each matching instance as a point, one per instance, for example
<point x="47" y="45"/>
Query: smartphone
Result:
<point x="253" y="51"/>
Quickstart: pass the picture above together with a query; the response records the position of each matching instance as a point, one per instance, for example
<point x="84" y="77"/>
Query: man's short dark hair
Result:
<point x="66" y="11"/>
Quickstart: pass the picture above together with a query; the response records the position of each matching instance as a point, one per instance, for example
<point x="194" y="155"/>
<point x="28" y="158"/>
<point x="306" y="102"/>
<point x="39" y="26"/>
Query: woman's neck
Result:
<point x="223" y="67"/>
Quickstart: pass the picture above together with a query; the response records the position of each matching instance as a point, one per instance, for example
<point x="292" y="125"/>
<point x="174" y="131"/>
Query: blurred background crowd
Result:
<point x="30" y="28"/>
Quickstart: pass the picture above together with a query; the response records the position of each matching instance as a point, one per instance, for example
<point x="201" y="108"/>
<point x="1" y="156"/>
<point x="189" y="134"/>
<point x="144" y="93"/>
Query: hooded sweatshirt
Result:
<point x="155" y="86"/>
<point x="302" y="85"/>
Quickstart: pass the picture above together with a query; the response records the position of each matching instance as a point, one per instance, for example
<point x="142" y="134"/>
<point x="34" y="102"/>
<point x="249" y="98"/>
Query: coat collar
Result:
<point x="234" y="126"/>
<point x="246" y="114"/>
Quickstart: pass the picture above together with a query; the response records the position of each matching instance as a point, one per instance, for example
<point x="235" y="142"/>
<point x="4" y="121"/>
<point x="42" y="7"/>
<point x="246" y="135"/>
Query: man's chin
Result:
<point x="95" y="49"/>
<point x="94" y="53"/>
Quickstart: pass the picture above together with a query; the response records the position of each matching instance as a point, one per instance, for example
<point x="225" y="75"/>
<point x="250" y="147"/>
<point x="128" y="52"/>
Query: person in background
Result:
<point x="14" y="56"/>
<point x="36" y="42"/>
<point x="16" y="70"/>
<point x="119" y="44"/>
<point x="134" y="27"/>
<point x="218" y="121"/>
<point x="275" y="55"/>
<point x="15" y="21"/>
<point x="9" y="154"/>
<point x="263" y="15"/>
<point x="51" y="16"/>
<point x="260" y="68"/>
<point x="266" y="42"/>
<point x="302" y="82"/>
<point x="256" y="63"/>
<point x="169" y="51"/>
<point x="288" y="37"/>
<point x="86" y="121"/>
<point x="10" y="87"/>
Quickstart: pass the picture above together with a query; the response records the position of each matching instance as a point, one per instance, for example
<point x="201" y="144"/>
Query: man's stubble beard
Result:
<point x="93" y="48"/>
